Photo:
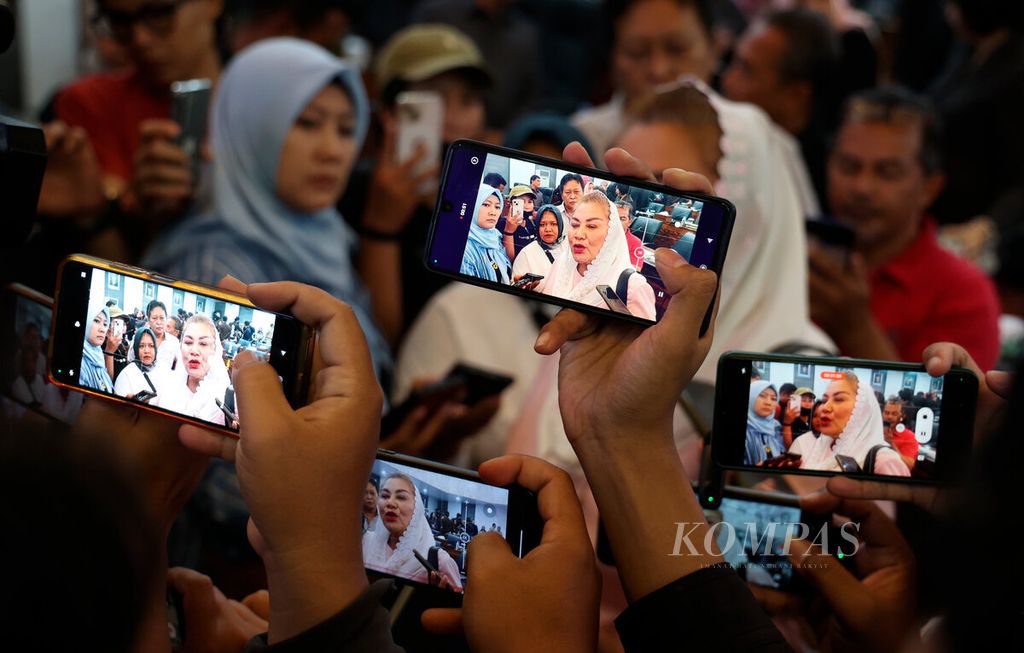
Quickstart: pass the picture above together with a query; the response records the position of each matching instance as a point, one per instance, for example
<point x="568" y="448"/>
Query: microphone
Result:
<point x="6" y="26"/>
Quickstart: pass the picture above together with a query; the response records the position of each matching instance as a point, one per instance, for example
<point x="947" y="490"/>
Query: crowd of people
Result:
<point x="838" y="112"/>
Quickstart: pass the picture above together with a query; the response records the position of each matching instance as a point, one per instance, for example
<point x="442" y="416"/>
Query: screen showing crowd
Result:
<point x="417" y="523"/>
<point x="578" y="238"/>
<point x="836" y="419"/>
<point x="27" y="328"/>
<point x="168" y="348"/>
<point x="756" y="544"/>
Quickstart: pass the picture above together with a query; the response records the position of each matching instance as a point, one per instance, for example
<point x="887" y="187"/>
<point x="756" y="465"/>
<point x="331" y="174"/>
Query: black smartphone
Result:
<point x="527" y="279"/>
<point x="434" y="511"/>
<point x="431" y="395"/>
<point x="479" y="383"/>
<point x="832" y="237"/>
<point x="611" y="299"/>
<point x="25" y="317"/>
<point x="852" y="418"/>
<point x="464" y="242"/>
<point x="188" y="373"/>
<point x="753" y="530"/>
<point x="190" y="106"/>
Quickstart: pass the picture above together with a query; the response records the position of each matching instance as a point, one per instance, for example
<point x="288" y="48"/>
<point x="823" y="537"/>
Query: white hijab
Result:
<point x="401" y="561"/>
<point x="603" y="270"/>
<point x="862" y="431"/>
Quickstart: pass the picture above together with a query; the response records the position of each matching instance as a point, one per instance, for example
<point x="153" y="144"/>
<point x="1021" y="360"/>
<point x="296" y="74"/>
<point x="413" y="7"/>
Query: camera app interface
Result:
<point x="584" y="239"/>
<point x="838" y="419"/>
<point x="167" y="348"/>
<point x="417" y="523"/>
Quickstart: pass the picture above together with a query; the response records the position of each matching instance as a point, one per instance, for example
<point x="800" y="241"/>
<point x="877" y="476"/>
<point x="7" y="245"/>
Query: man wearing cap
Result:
<point x="517" y="230"/>
<point x="802" y="424"/>
<point x="395" y="219"/>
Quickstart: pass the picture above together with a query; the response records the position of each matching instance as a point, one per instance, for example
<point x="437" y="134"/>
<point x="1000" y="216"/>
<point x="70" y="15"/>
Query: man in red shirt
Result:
<point x="899" y="291"/>
<point x="126" y="113"/>
<point x="896" y="433"/>
<point x="636" y="246"/>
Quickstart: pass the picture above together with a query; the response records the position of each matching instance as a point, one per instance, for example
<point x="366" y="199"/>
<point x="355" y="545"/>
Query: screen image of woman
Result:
<point x="764" y="433"/>
<point x="485" y="257"/>
<point x="596" y="254"/>
<point x="194" y="387"/>
<point x="93" y="373"/>
<point x="403" y="531"/>
<point x="851" y="430"/>
<point x="538" y="257"/>
<point x="137" y="377"/>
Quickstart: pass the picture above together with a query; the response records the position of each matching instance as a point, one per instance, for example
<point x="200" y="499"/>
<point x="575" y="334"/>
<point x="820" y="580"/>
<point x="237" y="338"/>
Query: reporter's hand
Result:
<point x="162" y="183"/>
<point x="875" y="607"/>
<point x="303" y="472"/>
<point x="73" y="183"/>
<point x="149" y="446"/>
<point x="213" y="623"/>
<point x="650" y="366"/>
<point x="394" y="189"/>
<point x="548" y="600"/>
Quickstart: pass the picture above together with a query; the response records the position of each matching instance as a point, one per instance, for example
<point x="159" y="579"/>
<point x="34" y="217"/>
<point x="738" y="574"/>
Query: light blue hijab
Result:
<point x="483" y="248"/>
<point x="763" y="425"/>
<point x="94" y="367"/>
<point x="248" y="231"/>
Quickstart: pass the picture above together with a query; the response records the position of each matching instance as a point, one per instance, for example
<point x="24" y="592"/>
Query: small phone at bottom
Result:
<point x="419" y="518"/>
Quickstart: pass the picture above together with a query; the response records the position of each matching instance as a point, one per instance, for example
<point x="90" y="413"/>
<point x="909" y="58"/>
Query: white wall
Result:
<point x="48" y="42"/>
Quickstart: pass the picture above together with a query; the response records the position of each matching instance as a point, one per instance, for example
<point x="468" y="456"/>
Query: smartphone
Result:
<point x="431" y="396"/>
<point x="480" y="383"/>
<point x="451" y="252"/>
<point x="834" y="238"/>
<point x="437" y="510"/>
<point x="25" y="317"/>
<point x="849" y="421"/>
<point x="190" y="106"/>
<point x="518" y="206"/>
<point x="420" y="117"/>
<point x="174" y="604"/>
<point x="188" y="375"/>
<point x="527" y="279"/>
<point x="611" y="300"/>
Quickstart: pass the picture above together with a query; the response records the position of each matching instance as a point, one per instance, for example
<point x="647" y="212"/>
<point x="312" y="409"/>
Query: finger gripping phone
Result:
<point x="845" y="432"/>
<point x="434" y="511"/>
<point x="464" y="243"/>
<point x="185" y="376"/>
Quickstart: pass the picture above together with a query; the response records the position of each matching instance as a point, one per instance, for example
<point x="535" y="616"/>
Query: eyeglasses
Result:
<point x="157" y="17"/>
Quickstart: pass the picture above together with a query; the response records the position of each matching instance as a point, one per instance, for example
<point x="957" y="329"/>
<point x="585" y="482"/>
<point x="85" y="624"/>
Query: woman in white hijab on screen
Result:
<point x="389" y="548"/>
<point x="194" y="387"/>
<point x="596" y="254"/>
<point x="851" y="428"/>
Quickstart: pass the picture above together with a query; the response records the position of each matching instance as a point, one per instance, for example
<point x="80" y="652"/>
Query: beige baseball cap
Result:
<point x="421" y="51"/>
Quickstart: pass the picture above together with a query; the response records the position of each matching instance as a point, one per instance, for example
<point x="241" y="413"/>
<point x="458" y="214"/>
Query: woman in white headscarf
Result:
<point x="194" y="386"/>
<point x="390" y="549"/>
<point x="596" y="253"/>
<point x="851" y="429"/>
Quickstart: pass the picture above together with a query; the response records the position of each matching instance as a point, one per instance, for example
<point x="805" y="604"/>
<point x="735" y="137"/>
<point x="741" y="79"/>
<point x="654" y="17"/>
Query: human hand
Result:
<point x="791" y="414"/>
<point x="73" y="183"/>
<point x="149" y="447"/>
<point x="839" y="295"/>
<point x="214" y="623"/>
<point x="532" y="285"/>
<point x="303" y="472"/>
<point x="162" y="183"/>
<point x="394" y="187"/>
<point x="594" y="350"/>
<point x="547" y="600"/>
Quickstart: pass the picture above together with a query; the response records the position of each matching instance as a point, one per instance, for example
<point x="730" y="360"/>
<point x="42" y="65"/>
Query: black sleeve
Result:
<point x="709" y="610"/>
<point x="361" y="627"/>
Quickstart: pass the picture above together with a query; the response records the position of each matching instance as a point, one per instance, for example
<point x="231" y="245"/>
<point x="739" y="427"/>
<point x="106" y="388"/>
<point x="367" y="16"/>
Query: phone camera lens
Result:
<point x="446" y="206"/>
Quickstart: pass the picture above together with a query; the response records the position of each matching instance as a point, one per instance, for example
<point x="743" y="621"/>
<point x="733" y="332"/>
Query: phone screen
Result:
<point x="589" y="229"/>
<point x="856" y="417"/>
<point x="433" y="514"/>
<point x="163" y="347"/>
<point x="25" y="320"/>
<point x="753" y="539"/>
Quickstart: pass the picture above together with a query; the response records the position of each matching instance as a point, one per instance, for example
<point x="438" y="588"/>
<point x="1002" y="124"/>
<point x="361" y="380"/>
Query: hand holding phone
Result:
<point x="505" y="594"/>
